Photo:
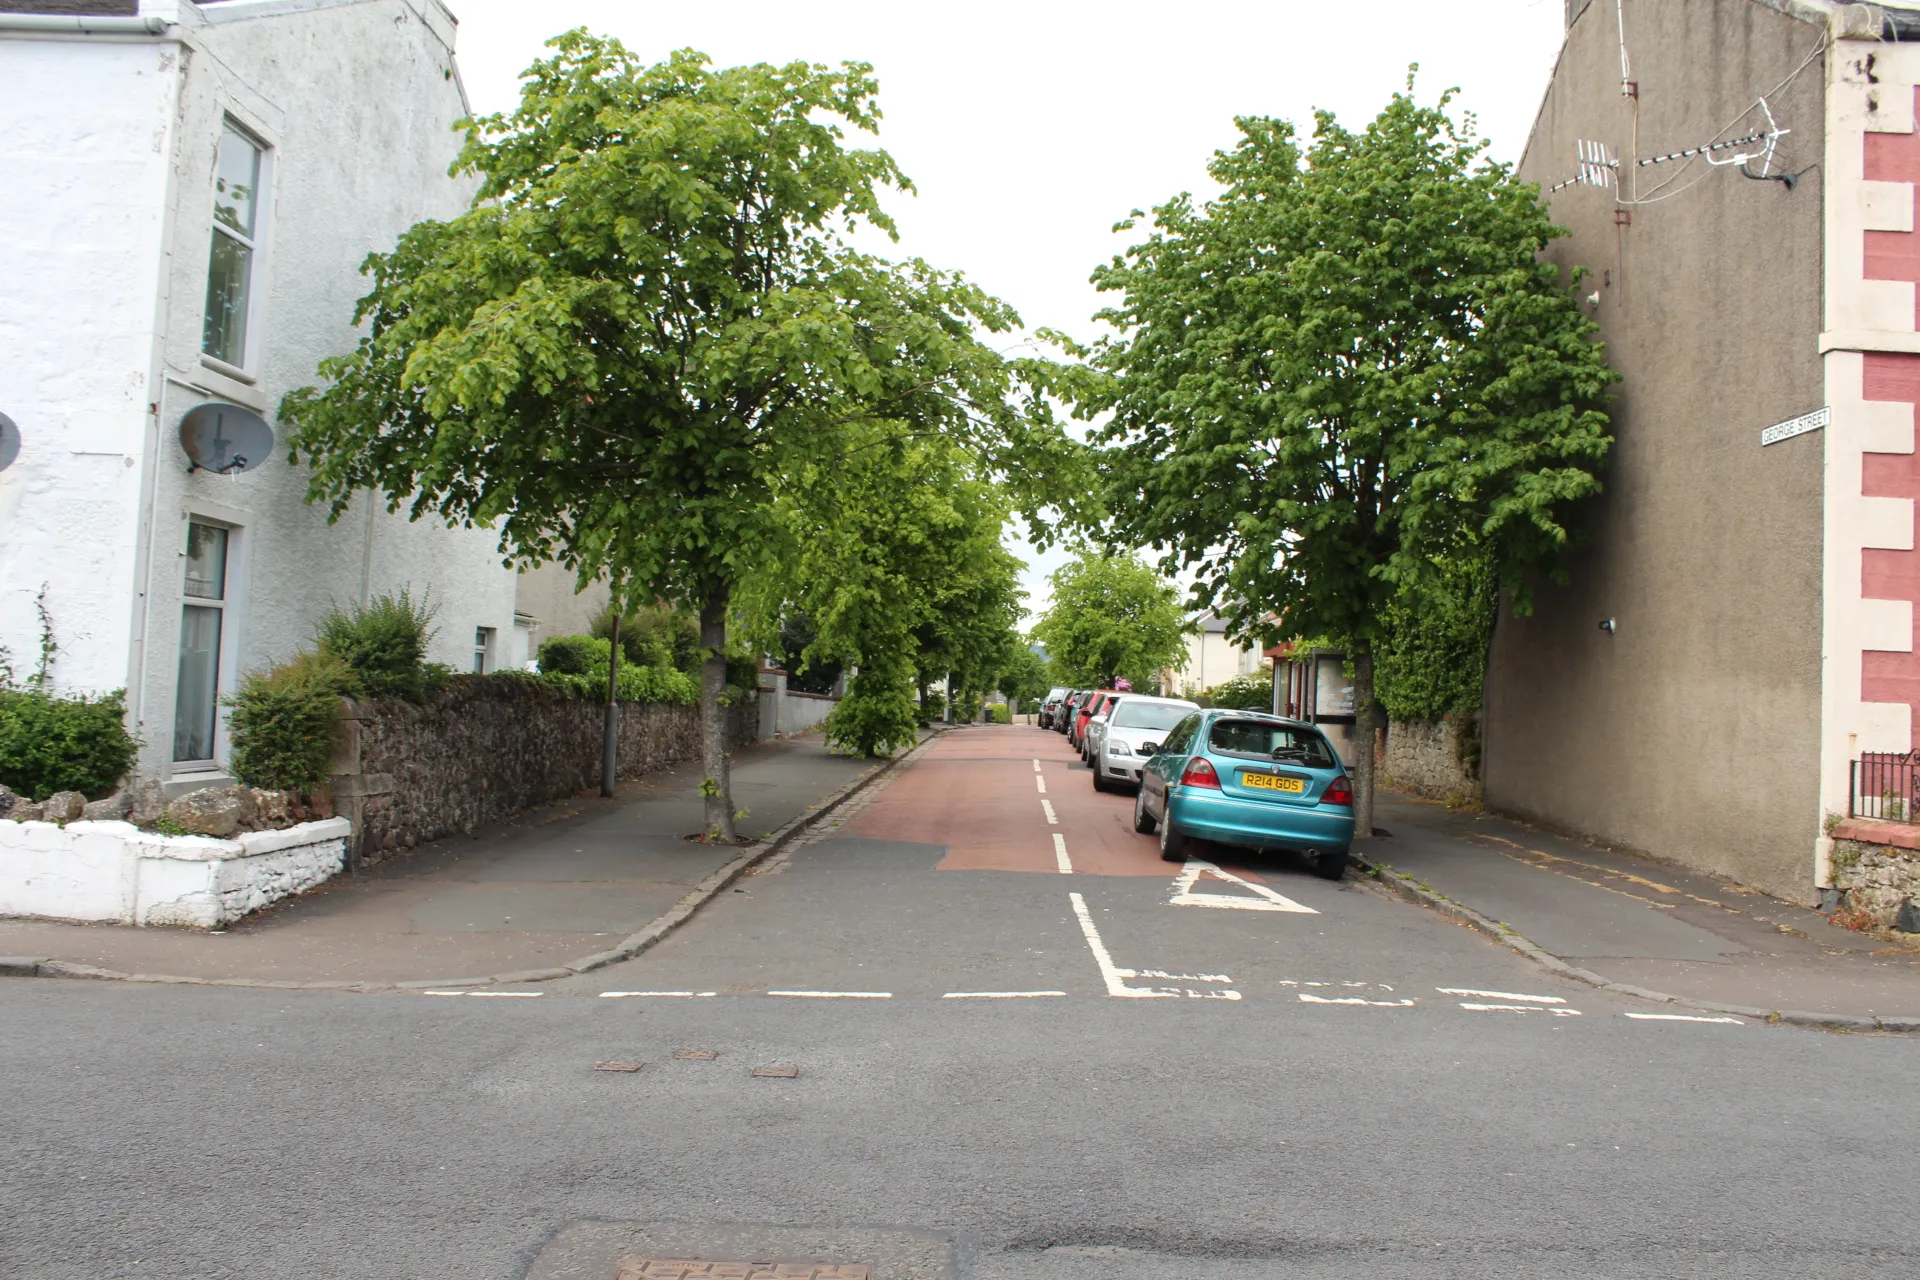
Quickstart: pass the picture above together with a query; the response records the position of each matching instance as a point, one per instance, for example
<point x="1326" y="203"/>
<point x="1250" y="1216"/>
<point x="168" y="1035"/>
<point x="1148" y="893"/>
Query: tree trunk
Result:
<point x="716" y="787"/>
<point x="1362" y="762"/>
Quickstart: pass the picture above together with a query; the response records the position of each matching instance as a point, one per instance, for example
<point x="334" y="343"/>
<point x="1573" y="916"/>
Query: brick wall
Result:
<point x="485" y="749"/>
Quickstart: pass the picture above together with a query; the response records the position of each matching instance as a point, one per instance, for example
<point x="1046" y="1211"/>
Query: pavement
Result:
<point x="928" y="1038"/>
<point x="1637" y="921"/>
<point x="537" y="892"/>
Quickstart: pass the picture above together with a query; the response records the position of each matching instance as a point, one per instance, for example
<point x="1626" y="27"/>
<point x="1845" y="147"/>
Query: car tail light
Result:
<point x="1199" y="773"/>
<point x="1339" y="791"/>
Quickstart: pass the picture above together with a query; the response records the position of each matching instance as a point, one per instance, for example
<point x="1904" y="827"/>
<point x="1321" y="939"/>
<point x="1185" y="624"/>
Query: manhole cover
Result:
<point x="691" y="1269"/>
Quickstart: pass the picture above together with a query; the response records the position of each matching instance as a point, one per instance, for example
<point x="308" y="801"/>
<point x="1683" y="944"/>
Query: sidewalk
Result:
<point x="1635" y="921"/>
<point x="537" y="892"/>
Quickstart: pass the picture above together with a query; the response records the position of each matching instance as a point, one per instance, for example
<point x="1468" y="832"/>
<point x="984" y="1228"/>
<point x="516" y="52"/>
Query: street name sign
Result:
<point x="1795" y="426"/>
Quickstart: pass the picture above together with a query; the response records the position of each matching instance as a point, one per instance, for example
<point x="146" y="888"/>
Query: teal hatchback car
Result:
<point x="1252" y="780"/>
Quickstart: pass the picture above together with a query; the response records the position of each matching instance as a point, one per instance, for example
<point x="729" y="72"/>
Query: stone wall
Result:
<point x="1877" y="879"/>
<point x="1429" y="758"/>
<point x="485" y="749"/>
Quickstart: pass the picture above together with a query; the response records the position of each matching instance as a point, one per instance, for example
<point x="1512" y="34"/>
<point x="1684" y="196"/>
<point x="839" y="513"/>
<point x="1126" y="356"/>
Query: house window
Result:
<point x="482" y="650"/>
<point x="236" y="226"/>
<point x="202" y="619"/>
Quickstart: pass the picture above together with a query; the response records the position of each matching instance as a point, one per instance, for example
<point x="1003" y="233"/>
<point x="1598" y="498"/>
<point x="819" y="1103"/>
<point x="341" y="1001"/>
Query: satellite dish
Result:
<point x="9" y="442"/>
<point x="224" y="438"/>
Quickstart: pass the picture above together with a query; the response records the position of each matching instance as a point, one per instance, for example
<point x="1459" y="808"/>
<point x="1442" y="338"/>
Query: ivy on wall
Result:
<point x="1433" y="663"/>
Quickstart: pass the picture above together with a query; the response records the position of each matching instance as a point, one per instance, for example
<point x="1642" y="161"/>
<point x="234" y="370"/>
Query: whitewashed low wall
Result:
<point x="115" y="871"/>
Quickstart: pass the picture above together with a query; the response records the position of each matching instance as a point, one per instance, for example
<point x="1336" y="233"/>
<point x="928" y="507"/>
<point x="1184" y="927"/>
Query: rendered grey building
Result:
<point x="1741" y="625"/>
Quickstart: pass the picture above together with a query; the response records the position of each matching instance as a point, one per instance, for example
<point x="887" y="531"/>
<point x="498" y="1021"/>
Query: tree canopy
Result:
<point x="1112" y="616"/>
<point x="1347" y="369"/>
<point x="649" y="324"/>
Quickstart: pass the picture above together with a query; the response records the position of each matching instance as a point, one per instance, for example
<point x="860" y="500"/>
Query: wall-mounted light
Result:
<point x="1606" y="625"/>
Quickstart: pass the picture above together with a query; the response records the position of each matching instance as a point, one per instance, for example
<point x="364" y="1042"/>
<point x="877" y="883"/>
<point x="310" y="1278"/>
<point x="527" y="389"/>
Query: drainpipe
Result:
<point x="86" y="25"/>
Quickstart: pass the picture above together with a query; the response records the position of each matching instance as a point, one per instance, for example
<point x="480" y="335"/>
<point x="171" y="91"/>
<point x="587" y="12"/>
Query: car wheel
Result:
<point x="1330" y="866"/>
<point x="1142" y="820"/>
<point x="1173" y="845"/>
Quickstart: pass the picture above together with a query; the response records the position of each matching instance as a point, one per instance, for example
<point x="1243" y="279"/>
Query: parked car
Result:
<point x="1077" y="731"/>
<point x="1050" y="705"/>
<point x="1096" y="726"/>
<point x="1063" y="718"/>
<point x="1121" y="736"/>
<point x="1252" y="780"/>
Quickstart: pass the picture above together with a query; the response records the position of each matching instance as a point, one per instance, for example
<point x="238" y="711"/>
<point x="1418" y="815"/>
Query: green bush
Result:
<point x="933" y="704"/>
<point x="574" y="655"/>
<point x="578" y="665"/>
<point x="657" y="636"/>
<point x="385" y="646"/>
<point x="50" y="744"/>
<point x="877" y="717"/>
<point x="285" y="720"/>
<point x="1242" y="693"/>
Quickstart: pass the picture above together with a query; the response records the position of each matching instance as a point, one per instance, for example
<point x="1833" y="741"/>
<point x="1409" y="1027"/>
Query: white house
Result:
<point x="190" y="191"/>
<point x="1211" y="658"/>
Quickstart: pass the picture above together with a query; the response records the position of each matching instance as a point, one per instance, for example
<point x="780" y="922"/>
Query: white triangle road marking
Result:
<point x="1268" y="900"/>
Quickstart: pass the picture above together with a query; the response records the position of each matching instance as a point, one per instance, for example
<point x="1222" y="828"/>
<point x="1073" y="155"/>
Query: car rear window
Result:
<point x="1264" y="740"/>
<point x="1150" y="715"/>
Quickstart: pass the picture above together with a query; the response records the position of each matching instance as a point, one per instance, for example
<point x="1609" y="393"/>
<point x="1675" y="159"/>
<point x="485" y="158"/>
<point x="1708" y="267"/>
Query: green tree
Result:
<point x="896" y="561"/>
<point x="647" y="325"/>
<point x="1021" y="674"/>
<point x="1111" y="616"/>
<point x="1347" y="368"/>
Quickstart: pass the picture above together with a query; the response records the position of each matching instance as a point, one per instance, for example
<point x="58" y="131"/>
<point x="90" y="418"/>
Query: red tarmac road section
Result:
<point x="974" y="792"/>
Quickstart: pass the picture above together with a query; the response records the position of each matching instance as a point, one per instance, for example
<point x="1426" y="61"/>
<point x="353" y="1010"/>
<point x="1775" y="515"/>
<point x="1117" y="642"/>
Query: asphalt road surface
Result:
<point x="1026" y="1049"/>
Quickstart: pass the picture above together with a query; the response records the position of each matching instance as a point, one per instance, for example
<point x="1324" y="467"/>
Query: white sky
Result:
<point x="1030" y="129"/>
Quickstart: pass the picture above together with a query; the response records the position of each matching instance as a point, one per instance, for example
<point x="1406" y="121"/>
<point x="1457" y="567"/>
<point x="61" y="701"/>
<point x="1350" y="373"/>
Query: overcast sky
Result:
<point x="1029" y="129"/>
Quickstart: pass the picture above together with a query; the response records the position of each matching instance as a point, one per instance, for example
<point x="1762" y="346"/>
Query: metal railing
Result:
<point x="1883" y="786"/>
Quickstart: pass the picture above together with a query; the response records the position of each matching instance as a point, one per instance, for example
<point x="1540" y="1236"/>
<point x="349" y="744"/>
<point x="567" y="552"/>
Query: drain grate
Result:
<point x="693" y="1269"/>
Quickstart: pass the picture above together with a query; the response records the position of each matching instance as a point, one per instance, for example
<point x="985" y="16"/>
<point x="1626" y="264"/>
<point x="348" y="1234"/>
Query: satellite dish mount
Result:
<point x="224" y="438"/>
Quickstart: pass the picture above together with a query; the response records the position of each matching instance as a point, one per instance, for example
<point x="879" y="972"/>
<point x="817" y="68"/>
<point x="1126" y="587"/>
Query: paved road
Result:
<point x="1328" y="1082"/>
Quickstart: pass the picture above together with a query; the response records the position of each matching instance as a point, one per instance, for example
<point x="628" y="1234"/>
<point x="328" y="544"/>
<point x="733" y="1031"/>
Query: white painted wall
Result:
<point x="86" y="131"/>
<point x="1212" y="659"/>
<point x="113" y="871"/>
<point x="103" y="271"/>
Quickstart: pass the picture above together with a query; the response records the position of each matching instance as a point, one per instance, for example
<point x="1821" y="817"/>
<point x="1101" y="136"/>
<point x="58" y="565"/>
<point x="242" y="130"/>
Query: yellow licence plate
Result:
<point x="1269" y="782"/>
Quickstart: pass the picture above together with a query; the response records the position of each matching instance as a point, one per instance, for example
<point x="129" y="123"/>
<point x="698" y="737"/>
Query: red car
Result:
<point x="1088" y="710"/>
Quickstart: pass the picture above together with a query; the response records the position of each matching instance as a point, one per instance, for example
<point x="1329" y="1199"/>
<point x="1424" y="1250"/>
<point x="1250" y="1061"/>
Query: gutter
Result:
<point x="77" y="24"/>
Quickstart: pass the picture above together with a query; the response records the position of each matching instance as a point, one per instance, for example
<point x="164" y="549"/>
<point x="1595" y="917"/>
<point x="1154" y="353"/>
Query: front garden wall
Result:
<point x="485" y="749"/>
<point x="1877" y="877"/>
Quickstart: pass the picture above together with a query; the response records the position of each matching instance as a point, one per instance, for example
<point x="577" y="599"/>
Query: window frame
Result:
<point x="258" y="244"/>
<point x="223" y="658"/>
<point x="485" y="649"/>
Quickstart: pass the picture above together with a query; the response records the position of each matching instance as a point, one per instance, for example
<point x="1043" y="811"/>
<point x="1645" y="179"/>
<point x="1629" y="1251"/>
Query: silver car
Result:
<point x="1130" y="735"/>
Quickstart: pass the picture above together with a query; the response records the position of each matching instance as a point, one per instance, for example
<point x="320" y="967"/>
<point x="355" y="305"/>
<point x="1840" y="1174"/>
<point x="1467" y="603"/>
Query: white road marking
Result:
<point x="522" y="994"/>
<point x="1036" y="766"/>
<point x="998" y="995"/>
<point x="615" y="995"/>
<point x="1183" y="895"/>
<point x="1518" y="1008"/>
<point x="1307" y="997"/>
<point x="1041" y="783"/>
<point x="1108" y="973"/>
<point x="1060" y="858"/>
<point x="837" y="995"/>
<point x="1683" y="1017"/>
<point x="1048" y="806"/>
<point x="1173" y="977"/>
<point x="1499" y="995"/>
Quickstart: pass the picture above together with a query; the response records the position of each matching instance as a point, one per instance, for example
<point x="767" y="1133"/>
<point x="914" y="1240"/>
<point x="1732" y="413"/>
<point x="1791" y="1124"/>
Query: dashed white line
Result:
<point x="1060" y="858"/>
<point x="1499" y="995"/>
<point x="685" y="995"/>
<point x="1307" y="997"/>
<point x="998" y="995"/>
<point x="1036" y="766"/>
<point x="1518" y="1008"/>
<point x="837" y="995"/>
<point x="525" y="995"/>
<point x="1041" y="783"/>
<point x="1683" y="1017"/>
<point x="1051" y="818"/>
